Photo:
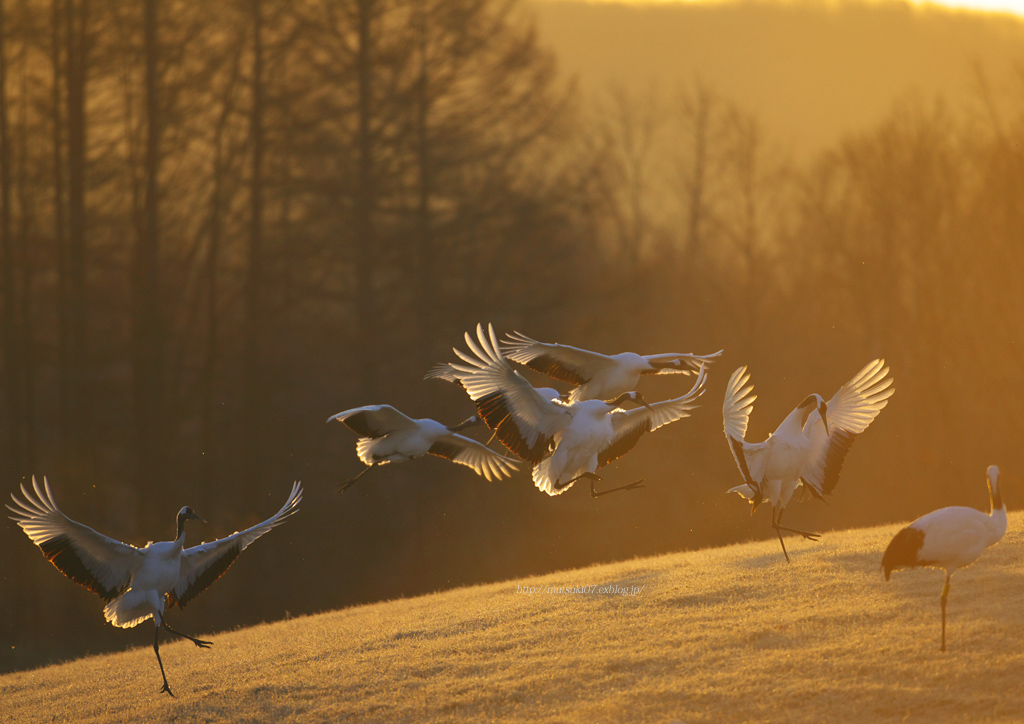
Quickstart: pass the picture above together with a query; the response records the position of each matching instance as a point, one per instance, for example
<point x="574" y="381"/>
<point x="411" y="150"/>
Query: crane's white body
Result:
<point x="597" y="376"/>
<point x="780" y="460"/>
<point x="387" y="435"/>
<point x="589" y="430"/>
<point x="405" y="444"/>
<point x="955" y="537"/>
<point x="563" y="441"/>
<point x="157" y="574"/>
<point x="810" y="444"/>
<point x="949" y="539"/>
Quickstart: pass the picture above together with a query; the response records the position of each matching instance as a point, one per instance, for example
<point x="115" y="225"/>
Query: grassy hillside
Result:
<point x="725" y="634"/>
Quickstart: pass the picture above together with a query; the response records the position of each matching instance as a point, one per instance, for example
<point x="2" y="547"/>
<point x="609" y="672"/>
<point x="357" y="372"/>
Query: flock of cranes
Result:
<point x="563" y="438"/>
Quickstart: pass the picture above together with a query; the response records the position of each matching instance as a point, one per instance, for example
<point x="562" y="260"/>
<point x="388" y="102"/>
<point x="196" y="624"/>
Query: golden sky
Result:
<point x="1015" y="7"/>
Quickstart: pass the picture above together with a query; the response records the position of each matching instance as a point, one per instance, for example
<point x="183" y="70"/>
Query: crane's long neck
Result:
<point x="793" y="424"/>
<point x="998" y="513"/>
<point x="179" y="536"/>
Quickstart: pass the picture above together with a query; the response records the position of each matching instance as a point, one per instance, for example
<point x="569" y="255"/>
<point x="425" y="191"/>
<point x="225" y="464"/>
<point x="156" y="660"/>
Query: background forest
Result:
<point x="221" y="223"/>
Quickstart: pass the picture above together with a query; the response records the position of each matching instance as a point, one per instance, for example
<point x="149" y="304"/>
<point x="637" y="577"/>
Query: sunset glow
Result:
<point x="1011" y="7"/>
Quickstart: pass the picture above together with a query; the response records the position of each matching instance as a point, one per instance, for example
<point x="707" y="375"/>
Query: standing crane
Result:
<point x="808" y="447"/>
<point x="136" y="583"/>
<point x="948" y="538"/>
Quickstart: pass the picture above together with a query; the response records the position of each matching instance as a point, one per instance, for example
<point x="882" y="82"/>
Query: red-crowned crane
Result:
<point x="597" y="376"/>
<point x="386" y="436"/>
<point x="809" y="446"/>
<point x="136" y="583"/>
<point x="564" y="442"/>
<point x="948" y="538"/>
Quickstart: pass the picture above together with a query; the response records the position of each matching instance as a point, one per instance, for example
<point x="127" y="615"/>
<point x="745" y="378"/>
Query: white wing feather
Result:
<point x="466" y="451"/>
<point x="750" y="458"/>
<point x="101" y="564"/>
<point x="849" y="412"/>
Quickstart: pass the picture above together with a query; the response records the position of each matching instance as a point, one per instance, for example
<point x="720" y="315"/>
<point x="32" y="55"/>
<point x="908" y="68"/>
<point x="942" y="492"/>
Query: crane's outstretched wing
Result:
<point x="466" y="451"/>
<point x="750" y="457"/>
<point x="562" y="362"/>
<point x="849" y="413"/>
<point x="203" y="564"/>
<point x="523" y="419"/>
<point x="374" y="421"/>
<point x="630" y="425"/>
<point x="674" y="363"/>
<point x="446" y="371"/>
<point x="103" y="565"/>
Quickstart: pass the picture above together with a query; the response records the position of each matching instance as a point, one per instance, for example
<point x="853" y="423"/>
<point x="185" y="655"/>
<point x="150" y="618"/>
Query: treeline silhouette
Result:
<point x="220" y="223"/>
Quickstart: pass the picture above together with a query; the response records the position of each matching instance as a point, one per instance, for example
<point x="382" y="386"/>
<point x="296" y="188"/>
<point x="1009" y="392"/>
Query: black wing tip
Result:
<point x="737" y="449"/>
<point x="60" y="551"/>
<point x="360" y="425"/>
<point x="494" y="411"/>
<point x="205" y="579"/>
<point x="446" y="450"/>
<point x="626" y="442"/>
<point x="840" y="442"/>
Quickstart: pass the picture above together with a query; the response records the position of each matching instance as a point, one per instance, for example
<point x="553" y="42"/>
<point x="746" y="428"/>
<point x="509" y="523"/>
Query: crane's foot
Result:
<point x="198" y="642"/>
<point x="809" y="536"/>
<point x="167" y="688"/>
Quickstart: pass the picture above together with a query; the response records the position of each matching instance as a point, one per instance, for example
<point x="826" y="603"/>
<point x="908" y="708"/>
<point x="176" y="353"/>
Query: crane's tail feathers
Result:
<point x="131" y="608"/>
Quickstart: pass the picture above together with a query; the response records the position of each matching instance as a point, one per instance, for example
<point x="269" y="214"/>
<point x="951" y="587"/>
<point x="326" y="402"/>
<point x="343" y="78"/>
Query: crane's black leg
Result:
<point x="945" y="595"/>
<point x="631" y="486"/>
<point x="809" y="536"/>
<point x="778" y="530"/>
<point x="198" y="642"/>
<point x="348" y="483"/>
<point x="156" y="648"/>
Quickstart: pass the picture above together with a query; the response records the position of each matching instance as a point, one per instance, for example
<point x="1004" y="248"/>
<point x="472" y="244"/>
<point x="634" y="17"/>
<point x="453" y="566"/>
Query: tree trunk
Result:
<point x="365" y="202"/>
<point x="9" y="321"/>
<point x="427" y="301"/>
<point x="148" y="362"/>
<point x="26" y="423"/>
<point x="254" y="404"/>
<point x="64" y="384"/>
<point x="77" y="452"/>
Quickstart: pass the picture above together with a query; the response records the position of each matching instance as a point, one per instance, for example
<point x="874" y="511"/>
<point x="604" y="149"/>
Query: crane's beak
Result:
<point x="822" y="410"/>
<point x="640" y="398"/>
<point x="192" y="515"/>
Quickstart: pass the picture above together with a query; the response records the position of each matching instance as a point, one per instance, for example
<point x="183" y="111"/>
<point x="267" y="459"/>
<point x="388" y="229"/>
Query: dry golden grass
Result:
<point x="729" y="634"/>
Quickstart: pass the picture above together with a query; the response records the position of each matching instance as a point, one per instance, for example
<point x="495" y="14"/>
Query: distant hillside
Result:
<point x="810" y="72"/>
<point x="728" y="634"/>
